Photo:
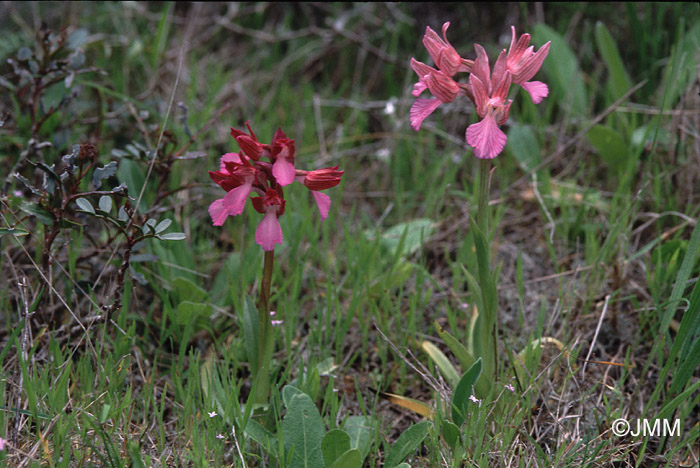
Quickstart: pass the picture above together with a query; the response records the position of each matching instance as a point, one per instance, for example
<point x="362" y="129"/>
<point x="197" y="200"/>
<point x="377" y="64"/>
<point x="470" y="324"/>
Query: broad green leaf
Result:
<point x="444" y="364"/>
<point x="303" y="431"/>
<point x="465" y="389"/>
<point x="523" y="145"/>
<point x="360" y="429"/>
<point x="561" y="69"/>
<point x="466" y="360"/>
<point x="398" y="276"/>
<point x="620" y="81"/>
<point x="250" y="331"/>
<point x="187" y="290"/>
<point x="261" y="436"/>
<point x="188" y="311"/>
<point x="414" y="233"/>
<point x="609" y="144"/>
<point x="334" y="444"/>
<point x="350" y="459"/>
<point x="451" y="433"/>
<point x="407" y="443"/>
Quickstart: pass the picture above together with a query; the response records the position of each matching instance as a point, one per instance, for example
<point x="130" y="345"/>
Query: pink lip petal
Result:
<point x="537" y="90"/>
<point x="323" y="202"/>
<point x="421" y="109"/>
<point x="269" y="231"/>
<point x="487" y="139"/>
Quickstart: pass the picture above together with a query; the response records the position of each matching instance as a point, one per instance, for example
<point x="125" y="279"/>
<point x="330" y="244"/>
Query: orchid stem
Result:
<point x="489" y="290"/>
<point x="265" y="344"/>
<point x="484" y="182"/>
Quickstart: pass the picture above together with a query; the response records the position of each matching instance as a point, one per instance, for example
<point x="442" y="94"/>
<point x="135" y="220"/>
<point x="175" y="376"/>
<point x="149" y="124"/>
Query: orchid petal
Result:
<point x="480" y="92"/>
<point x="230" y="158"/>
<point x="420" y="68"/>
<point x="537" y="90"/>
<point x="418" y="88"/>
<point x="421" y="109"/>
<point x="323" y="202"/>
<point x="487" y="139"/>
<point x="269" y="231"/>
<point x="234" y="201"/>
<point x="218" y="213"/>
<point x="283" y="171"/>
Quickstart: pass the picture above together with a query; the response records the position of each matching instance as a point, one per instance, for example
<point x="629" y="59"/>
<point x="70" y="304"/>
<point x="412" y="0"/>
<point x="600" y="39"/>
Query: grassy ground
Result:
<point x="119" y="348"/>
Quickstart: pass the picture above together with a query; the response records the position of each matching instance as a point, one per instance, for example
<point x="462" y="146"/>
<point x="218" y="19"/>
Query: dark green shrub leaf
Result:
<point x="105" y="203"/>
<point x="102" y="173"/>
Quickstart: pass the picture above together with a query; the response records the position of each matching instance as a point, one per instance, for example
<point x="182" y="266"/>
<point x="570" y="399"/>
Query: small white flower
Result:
<point x="475" y="399"/>
<point x="212" y="414"/>
<point x="510" y="387"/>
<point x="220" y="436"/>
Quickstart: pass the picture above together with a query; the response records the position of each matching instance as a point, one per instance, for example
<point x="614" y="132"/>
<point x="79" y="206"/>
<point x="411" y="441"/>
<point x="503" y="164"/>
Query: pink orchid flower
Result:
<point x="237" y="179"/>
<point x="283" y="158"/>
<point x="443" y="54"/>
<point x="320" y="179"/>
<point x="244" y="173"/>
<point x="522" y="63"/>
<point x="269" y="231"/>
<point x="492" y="105"/>
<point x="444" y="88"/>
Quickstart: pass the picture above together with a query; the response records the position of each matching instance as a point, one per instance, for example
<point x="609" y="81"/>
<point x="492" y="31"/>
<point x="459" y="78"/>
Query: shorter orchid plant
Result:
<point x="260" y="172"/>
<point x="245" y="173"/>
<point x="488" y="90"/>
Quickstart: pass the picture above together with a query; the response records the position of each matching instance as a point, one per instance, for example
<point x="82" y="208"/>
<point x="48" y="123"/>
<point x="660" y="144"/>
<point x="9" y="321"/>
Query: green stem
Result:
<point x="489" y="292"/>
<point x="483" y="214"/>
<point x="265" y="341"/>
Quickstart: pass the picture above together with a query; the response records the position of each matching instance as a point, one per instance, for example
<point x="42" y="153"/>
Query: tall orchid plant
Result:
<point x="488" y="90"/>
<point x="264" y="170"/>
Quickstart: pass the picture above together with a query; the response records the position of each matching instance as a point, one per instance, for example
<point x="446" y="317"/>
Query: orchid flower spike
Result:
<point x="246" y="173"/>
<point x="440" y="85"/>
<point x="522" y="63"/>
<point x="492" y="106"/>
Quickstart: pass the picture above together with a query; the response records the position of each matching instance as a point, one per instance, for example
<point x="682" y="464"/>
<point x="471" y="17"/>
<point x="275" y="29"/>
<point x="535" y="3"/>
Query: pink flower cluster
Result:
<point x="246" y="172"/>
<point x="488" y="90"/>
